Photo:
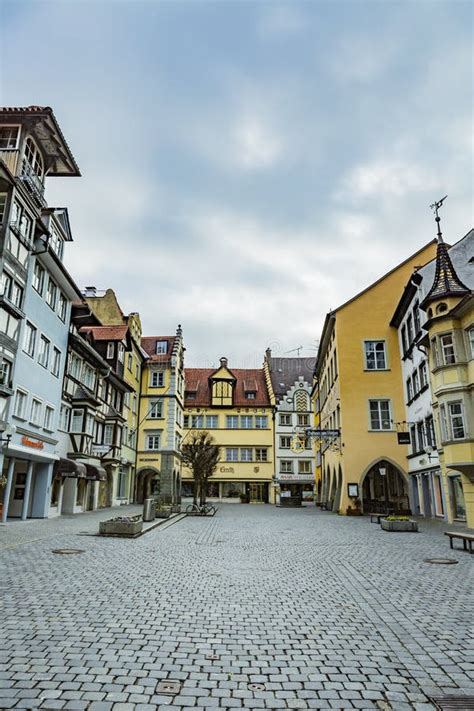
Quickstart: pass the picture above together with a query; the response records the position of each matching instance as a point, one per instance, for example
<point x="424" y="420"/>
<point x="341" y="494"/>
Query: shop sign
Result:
<point x="33" y="443"/>
<point x="306" y="478"/>
<point x="101" y="448"/>
<point x="227" y="470"/>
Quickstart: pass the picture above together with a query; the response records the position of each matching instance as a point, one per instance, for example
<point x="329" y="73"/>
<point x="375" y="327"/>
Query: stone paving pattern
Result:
<point x="325" y="612"/>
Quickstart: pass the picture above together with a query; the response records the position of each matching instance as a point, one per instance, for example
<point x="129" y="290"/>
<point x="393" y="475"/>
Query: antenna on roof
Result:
<point x="435" y="207"/>
<point x="297" y="350"/>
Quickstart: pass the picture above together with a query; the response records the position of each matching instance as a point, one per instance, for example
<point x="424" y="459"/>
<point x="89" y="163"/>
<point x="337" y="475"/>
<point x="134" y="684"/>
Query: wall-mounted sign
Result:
<point x="403" y="438"/>
<point x="227" y="470"/>
<point x="33" y="443"/>
<point x="353" y="491"/>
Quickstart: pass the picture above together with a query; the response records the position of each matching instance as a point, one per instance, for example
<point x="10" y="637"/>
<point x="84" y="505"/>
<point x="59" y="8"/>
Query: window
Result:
<point x="62" y="306"/>
<point x="156" y="410"/>
<point x="20" y="404"/>
<point x="51" y="294"/>
<point x="245" y="454"/>
<point x="232" y="422"/>
<point x="88" y="376"/>
<point x="56" y="241"/>
<point x="430" y="431"/>
<point x="64" y="417"/>
<point x="129" y="362"/>
<point x="3" y="203"/>
<point x="443" y="423"/>
<point x="470" y="334"/>
<point x="416" y="383"/>
<point x="30" y="339"/>
<point x="110" y="349"/>
<point x="456" y="417"/>
<point x="416" y="317"/>
<point x="246" y="422"/>
<point x="44" y="347"/>
<point x="9" y="138"/>
<point x="413" y="439"/>
<point x="108" y="435"/>
<point x="121" y="352"/>
<point x="285" y="420"/>
<point x="32" y="159"/>
<point x="421" y="436"/>
<point x="36" y="407"/>
<point x="303" y="420"/>
<point x="404" y="339"/>
<point x="157" y="378"/>
<point x="423" y="374"/>
<point x="447" y="349"/>
<point x="375" y="355"/>
<point x="304" y="467"/>
<point x="250" y="396"/>
<point x="48" y="418"/>
<point x="7" y="282"/>
<point x="435" y="352"/>
<point x="161" y="347"/>
<point x="75" y="366"/>
<point x="16" y="294"/>
<point x="212" y="421"/>
<point x="409" y="390"/>
<point x="77" y="417"/>
<point x="380" y="415"/>
<point x="38" y="278"/>
<point x="261" y="422"/>
<point x="231" y="454"/>
<point x="197" y="421"/>
<point x="285" y="442"/>
<point x="5" y="372"/>
<point x="153" y="441"/>
<point x="286" y="466"/>
<point x="410" y="330"/>
<point x="261" y="455"/>
<point x="186" y="421"/>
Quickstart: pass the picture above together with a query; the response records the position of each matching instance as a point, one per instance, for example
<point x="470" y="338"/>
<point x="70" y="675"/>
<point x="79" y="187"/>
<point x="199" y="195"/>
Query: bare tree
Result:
<point x="201" y="454"/>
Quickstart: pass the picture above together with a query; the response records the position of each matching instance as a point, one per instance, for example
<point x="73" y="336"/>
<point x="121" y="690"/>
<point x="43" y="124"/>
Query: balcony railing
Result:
<point x="33" y="182"/>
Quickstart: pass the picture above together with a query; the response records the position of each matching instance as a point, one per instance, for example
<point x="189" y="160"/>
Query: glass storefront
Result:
<point x="457" y="493"/>
<point x="232" y="489"/>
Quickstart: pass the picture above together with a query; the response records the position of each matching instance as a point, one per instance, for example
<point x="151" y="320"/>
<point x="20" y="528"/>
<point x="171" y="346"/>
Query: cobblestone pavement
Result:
<point x="318" y="611"/>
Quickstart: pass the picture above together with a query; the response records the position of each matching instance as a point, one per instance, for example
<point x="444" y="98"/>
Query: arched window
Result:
<point x="33" y="158"/>
<point x="441" y="308"/>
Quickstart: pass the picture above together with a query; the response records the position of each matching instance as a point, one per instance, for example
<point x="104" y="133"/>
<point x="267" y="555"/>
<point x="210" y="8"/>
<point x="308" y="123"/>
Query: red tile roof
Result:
<point x="148" y="344"/>
<point x="197" y="381"/>
<point x="106" y="333"/>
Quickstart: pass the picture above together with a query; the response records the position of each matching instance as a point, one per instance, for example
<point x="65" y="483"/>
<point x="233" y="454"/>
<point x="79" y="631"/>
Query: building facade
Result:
<point x="361" y="393"/>
<point x="290" y="383"/>
<point x="37" y="293"/>
<point x="106" y="307"/>
<point x="234" y="406"/>
<point x="449" y="306"/>
<point x="160" y="425"/>
<point x="425" y="484"/>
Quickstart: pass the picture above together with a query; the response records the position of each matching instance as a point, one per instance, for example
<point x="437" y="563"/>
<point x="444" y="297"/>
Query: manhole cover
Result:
<point x="441" y="561"/>
<point x="453" y="703"/>
<point x="170" y="688"/>
<point x="212" y="657"/>
<point x="256" y="687"/>
<point x="67" y="551"/>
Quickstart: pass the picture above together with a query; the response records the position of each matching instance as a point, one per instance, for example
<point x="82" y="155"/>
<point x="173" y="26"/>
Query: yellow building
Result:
<point x="234" y="406"/>
<point x="361" y="393"/>
<point x="161" y="419"/>
<point x="449" y="306"/>
<point x="107" y="309"/>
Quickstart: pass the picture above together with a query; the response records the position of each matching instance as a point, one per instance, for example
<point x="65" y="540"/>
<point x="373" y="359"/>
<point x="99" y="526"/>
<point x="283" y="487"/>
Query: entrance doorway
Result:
<point x="385" y="490"/>
<point x="257" y="493"/>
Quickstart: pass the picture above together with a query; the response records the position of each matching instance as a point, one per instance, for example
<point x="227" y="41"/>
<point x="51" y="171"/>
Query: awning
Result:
<point x="95" y="472"/>
<point x="67" y="467"/>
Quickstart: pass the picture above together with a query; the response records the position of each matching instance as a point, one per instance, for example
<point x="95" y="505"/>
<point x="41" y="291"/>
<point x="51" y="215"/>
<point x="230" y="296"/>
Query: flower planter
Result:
<point x="121" y="527"/>
<point x="290" y="501"/>
<point x="163" y="513"/>
<point x="244" y="499"/>
<point x="399" y="526"/>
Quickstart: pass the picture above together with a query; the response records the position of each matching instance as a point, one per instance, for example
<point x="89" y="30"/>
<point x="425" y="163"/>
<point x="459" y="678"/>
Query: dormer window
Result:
<point x="161" y="347"/>
<point x="9" y="138"/>
<point x="250" y="395"/>
<point x="121" y="352"/>
<point x="110" y="349"/>
<point x="56" y="242"/>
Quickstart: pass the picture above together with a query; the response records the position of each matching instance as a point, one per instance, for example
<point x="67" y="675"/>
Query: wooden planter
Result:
<point x="399" y="526"/>
<point x="120" y="528"/>
<point x="290" y="501"/>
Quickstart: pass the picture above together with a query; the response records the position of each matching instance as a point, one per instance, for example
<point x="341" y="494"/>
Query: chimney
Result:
<point x="223" y="362"/>
<point x="90" y="291"/>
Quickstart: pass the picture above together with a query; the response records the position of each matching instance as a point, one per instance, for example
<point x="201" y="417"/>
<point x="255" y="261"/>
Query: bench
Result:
<point x="377" y="517"/>
<point x="466" y="538"/>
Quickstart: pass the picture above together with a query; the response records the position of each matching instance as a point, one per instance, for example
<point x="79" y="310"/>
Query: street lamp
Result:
<point x="7" y="434"/>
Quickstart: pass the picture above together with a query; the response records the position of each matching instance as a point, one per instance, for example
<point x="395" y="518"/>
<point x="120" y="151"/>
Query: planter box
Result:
<point x="162" y="513"/>
<point x="120" y="528"/>
<point x="411" y="526"/>
<point x="290" y="501"/>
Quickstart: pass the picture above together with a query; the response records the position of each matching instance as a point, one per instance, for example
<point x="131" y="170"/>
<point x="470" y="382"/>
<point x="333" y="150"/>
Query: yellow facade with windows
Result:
<point x="233" y="405"/>
<point x="364" y="401"/>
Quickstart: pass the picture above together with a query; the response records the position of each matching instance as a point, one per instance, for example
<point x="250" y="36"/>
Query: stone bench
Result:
<point x="466" y="538"/>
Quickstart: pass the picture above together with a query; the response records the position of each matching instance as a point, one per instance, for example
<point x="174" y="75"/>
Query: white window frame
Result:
<point x="11" y="147"/>
<point x="371" y="349"/>
<point x="283" y="442"/>
<point x="232" y="422"/>
<point x="246" y="454"/>
<point x="156" y="410"/>
<point x="246" y="422"/>
<point x="161" y="348"/>
<point x="379" y="401"/>
<point x="261" y="422"/>
<point x="157" y="379"/>
<point x="197" y="422"/>
<point x="24" y="402"/>
<point x="48" y="418"/>
<point x="73" y="419"/>
<point x="153" y="441"/>
<point x="456" y="415"/>
<point x="286" y="419"/>
<point x="212" y="422"/>
<point x="448" y="351"/>
<point x="31" y="333"/>
<point x="232" y="454"/>
<point x="304" y="466"/>
<point x="61" y="306"/>
<point x="44" y="351"/>
<point x="51" y="294"/>
<point x="110" y="350"/>
<point x="286" y="466"/>
<point x="36" y="411"/>
<point x="38" y="279"/>
<point x="261" y="454"/>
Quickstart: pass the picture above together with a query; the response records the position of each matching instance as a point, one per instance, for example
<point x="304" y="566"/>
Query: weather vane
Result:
<point x="435" y="207"/>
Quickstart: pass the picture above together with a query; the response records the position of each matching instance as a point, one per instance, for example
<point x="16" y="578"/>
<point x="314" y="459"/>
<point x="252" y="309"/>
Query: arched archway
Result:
<point x="145" y="478"/>
<point x="385" y="488"/>
<point x="337" y="497"/>
<point x="332" y="494"/>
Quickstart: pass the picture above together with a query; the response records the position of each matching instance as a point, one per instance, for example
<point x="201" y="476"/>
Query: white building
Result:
<point x="290" y="384"/>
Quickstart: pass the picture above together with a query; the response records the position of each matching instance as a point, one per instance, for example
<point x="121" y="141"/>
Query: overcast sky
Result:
<point x="248" y="166"/>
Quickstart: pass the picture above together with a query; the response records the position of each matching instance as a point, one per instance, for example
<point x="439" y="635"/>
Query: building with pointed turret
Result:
<point x="449" y="342"/>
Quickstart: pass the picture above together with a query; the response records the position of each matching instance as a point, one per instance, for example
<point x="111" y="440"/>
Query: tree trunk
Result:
<point x="195" y="491"/>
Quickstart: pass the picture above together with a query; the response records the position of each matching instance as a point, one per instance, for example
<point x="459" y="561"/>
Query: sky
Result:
<point x="248" y="166"/>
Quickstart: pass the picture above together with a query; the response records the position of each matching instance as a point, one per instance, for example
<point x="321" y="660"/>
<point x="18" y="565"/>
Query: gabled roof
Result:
<point x="48" y="133"/>
<point x="197" y="382"/>
<point x="106" y="333"/>
<point x="148" y="344"/>
<point x="285" y="372"/>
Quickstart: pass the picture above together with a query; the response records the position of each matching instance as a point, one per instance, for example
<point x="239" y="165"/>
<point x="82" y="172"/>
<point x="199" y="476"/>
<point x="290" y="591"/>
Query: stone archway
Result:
<point x="145" y="483"/>
<point x="332" y="495"/>
<point x="385" y="488"/>
<point x="337" y="497"/>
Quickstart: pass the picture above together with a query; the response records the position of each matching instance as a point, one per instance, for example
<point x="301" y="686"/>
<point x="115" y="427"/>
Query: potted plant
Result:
<point x="124" y="526"/>
<point x="244" y="499"/>
<point x="399" y="523"/>
<point x="355" y="509"/>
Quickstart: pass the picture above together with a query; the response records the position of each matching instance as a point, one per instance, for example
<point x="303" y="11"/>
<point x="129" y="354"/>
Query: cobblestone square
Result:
<point x="255" y="608"/>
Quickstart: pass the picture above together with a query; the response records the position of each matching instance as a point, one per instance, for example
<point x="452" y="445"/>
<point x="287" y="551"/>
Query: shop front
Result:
<point x="82" y="493"/>
<point x="294" y="489"/>
<point x="427" y="494"/>
<point x="63" y="470"/>
<point x="253" y="492"/>
<point x="458" y="502"/>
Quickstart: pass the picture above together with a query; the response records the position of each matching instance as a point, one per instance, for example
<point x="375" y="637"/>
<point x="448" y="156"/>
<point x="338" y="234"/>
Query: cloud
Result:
<point x="281" y="20"/>
<point x="385" y="178"/>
